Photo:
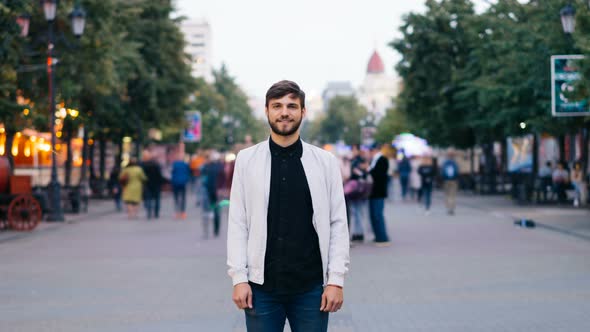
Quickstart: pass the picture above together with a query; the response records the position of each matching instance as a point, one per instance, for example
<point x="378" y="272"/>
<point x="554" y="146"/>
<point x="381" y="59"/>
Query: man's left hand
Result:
<point x="332" y="299"/>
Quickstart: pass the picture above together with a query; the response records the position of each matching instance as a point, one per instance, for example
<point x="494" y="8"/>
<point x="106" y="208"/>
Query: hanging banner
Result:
<point x="565" y="73"/>
<point x="192" y="132"/>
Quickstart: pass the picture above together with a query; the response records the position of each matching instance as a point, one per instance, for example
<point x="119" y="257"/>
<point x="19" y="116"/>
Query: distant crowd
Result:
<point x="369" y="175"/>
<point x="207" y="174"/>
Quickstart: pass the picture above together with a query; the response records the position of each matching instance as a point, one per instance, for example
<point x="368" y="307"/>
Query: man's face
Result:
<point x="285" y="115"/>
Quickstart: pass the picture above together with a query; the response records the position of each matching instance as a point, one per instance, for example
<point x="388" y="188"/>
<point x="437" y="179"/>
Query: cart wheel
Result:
<point x="24" y="213"/>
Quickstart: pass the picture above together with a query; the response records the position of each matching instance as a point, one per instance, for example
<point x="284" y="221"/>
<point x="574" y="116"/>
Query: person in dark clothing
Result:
<point x="115" y="187"/>
<point x="378" y="170"/>
<point x="211" y="172"/>
<point x="404" y="168"/>
<point x="427" y="173"/>
<point x="358" y="172"/>
<point x="450" y="175"/>
<point x="179" y="178"/>
<point x="153" y="186"/>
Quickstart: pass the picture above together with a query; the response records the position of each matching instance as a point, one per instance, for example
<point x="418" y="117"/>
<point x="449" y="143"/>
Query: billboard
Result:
<point x="192" y="131"/>
<point x="520" y="154"/>
<point x="565" y="100"/>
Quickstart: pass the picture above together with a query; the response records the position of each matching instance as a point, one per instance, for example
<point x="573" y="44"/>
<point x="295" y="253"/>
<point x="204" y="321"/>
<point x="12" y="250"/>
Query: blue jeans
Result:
<point x="356" y="211"/>
<point x="152" y="202"/>
<point x="271" y="309"/>
<point x="427" y="196"/>
<point x="376" y="206"/>
<point x="179" y="198"/>
<point x="403" y="181"/>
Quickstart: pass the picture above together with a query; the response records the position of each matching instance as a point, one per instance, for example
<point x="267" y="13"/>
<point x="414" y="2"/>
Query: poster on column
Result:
<point x="566" y="99"/>
<point x="192" y="131"/>
<point x="520" y="154"/>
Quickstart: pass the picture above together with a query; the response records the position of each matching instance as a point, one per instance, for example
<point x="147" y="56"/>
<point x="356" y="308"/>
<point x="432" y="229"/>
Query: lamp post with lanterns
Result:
<point x="78" y="20"/>
<point x="568" y="22"/>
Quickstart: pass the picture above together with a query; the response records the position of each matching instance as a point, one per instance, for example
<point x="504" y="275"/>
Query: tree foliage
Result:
<point x="473" y="78"/>
<point x="340" y="122"/>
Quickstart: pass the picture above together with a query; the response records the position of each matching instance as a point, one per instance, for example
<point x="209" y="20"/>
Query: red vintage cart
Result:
<point x="20" y="209"/>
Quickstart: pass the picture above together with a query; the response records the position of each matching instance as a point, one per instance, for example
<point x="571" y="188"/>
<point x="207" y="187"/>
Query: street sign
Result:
<point x="565" y="73"/>
<point x="192" y="132"/>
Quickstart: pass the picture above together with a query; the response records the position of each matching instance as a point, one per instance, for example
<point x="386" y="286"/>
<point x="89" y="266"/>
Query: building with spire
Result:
<point x="378" y="89"/>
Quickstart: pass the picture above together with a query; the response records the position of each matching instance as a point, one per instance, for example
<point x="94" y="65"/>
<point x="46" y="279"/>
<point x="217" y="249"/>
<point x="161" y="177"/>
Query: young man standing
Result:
<point x="287" y="243"/>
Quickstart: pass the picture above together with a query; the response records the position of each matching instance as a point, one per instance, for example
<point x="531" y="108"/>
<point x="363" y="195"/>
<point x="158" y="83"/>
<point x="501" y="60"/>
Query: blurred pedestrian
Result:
<point x="415" y="181"/>
<point x="450" y="176"/>
<point x="132" y="179"/>
<point x="545" y="180"/>
<point x="577" y="179"/>
<point x="115" y="187"/>
<point x="153" y="186"/>
<point x="211" y="173"/>
<point x="179" y="178"/>
<point x="560" y="178"/>
<point x="390" y="172"/>
<point x="378" y="170"/>
<point x="357" y="197"/>
<point x="288" y="245"/>
<point x="404" y="169"/>
<point x="427" y="173"/>
<point x="196" y="164"/>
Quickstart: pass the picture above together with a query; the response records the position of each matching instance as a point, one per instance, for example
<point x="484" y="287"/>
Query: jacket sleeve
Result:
<point x="338" y="252"/>
<point x="237" y="229"/>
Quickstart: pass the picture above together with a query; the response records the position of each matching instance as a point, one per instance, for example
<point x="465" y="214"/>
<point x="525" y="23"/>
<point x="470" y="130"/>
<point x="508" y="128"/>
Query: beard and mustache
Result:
<point x="288" y="131"/>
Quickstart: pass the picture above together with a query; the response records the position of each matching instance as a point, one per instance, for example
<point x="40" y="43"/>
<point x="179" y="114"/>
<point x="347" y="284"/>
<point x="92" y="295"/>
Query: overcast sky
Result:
<point x="308" y="41"/>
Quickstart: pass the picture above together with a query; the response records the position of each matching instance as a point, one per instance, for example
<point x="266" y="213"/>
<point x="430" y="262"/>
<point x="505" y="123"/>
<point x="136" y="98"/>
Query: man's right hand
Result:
<point x="243" y="296"/>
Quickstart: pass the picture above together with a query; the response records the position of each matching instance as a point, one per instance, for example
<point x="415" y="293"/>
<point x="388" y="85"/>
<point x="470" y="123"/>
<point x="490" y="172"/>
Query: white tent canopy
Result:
<point x="412" y="145"/>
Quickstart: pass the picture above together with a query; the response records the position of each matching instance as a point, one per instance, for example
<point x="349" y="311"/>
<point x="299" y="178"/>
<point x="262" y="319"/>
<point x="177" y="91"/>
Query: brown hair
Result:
<point x="284" y="88"/>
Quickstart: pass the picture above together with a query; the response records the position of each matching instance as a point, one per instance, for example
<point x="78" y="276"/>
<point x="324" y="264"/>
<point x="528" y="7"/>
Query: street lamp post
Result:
<point x="78" y="17"/>
<point x="367" y="126"/>
<point x="568" y="19"/>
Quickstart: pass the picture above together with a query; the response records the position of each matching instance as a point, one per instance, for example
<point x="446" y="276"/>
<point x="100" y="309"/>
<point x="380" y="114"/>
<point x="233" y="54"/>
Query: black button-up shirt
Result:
<point x="293" y="262"/>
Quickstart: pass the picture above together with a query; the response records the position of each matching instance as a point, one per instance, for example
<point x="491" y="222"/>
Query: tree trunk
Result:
<point x="504" y="156"/>
<point x="8" y="146"/>
<point x="535" y="154"/>
<point x="472" y="167"/>
<point x="585" y="142"/>
<point x="92" y="172"/>
<point x="84" y="157"/>
<point x="490" y="167"/>
<point x="119" y="154"/>
<point x="561" y="140"/>
<point x="68" y="165"/>
<point x="102" y="163"/>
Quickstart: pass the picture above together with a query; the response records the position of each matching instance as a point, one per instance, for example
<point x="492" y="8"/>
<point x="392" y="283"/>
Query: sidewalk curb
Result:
<point x="52" y="226"/>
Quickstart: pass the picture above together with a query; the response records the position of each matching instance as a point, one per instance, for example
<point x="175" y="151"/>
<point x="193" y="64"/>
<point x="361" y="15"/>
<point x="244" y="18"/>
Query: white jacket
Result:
<point x="247" y="222"/>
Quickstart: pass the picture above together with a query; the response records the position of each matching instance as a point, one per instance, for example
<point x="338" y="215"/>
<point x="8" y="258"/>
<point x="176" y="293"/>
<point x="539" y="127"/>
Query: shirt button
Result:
<point x="284" y="179"/>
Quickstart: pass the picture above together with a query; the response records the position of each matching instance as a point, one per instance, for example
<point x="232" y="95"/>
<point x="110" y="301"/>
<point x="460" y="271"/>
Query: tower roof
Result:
<point x="375" y="65"/>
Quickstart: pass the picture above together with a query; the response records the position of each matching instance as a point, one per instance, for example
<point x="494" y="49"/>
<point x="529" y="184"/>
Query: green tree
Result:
<point x="235" y="114"/>
<point x="340" y="122"/>
<point x="393" y="123"/>
<point x="435" y="47"/>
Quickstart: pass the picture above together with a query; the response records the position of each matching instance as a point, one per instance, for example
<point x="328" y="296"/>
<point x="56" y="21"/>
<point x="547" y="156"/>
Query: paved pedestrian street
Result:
<point x="474" y="271"/>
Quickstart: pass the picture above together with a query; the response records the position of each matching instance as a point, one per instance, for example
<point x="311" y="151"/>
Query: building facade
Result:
<point x="337" y="88"/>
<point x="378" y="89"/>
<point x="197" y="34"/>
